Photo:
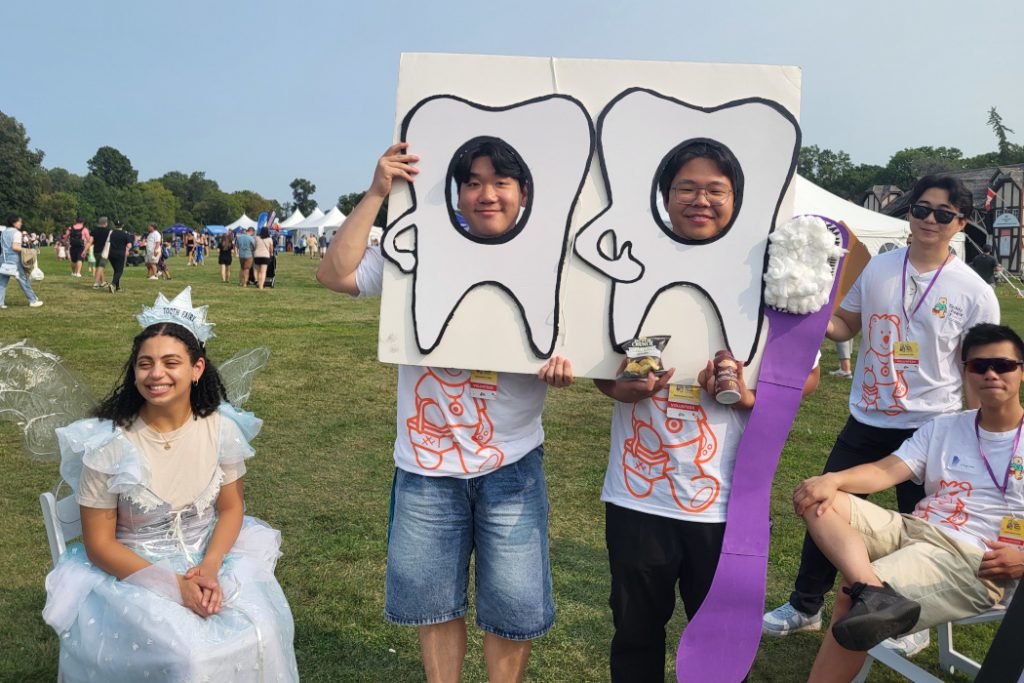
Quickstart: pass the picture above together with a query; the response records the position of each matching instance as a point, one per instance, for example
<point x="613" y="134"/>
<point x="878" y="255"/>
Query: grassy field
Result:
<point x="323" y="472"/>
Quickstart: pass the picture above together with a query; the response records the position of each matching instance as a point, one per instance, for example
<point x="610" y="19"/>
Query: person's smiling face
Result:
<point x="927" y="231"/>
<point x="489" y="202"/>
<point x="164" y="373"/>
<point x="700" y="200"/>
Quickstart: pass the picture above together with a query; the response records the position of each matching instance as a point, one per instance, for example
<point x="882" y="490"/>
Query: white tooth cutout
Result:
<point x="648" y="258"/>
<point x="554" y="136"/>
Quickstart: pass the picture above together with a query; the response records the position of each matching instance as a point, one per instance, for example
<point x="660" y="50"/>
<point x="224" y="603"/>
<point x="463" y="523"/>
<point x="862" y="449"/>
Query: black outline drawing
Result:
<point x="624" y="251"/>
<point x="391" y="228"/>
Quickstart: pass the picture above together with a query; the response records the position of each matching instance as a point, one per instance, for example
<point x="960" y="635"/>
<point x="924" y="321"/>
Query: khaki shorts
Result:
<point x="924" y="564"/>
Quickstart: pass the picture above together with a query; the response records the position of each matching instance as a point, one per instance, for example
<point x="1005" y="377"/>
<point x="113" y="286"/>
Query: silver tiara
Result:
<point x="178" y="310"/>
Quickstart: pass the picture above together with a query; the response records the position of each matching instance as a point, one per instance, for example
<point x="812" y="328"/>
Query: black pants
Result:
<point x="857" y="444"/>
<point x="117" y="263"/>
<point x="649" y="555"/>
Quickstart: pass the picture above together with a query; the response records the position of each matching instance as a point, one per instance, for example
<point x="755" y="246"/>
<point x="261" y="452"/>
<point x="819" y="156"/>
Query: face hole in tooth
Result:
<point x="700" y="162"/>
<point x="499" y="179"/>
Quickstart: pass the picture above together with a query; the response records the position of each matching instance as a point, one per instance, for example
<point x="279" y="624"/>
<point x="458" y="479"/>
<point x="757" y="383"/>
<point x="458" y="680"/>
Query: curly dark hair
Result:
<point x="124" y="402"/>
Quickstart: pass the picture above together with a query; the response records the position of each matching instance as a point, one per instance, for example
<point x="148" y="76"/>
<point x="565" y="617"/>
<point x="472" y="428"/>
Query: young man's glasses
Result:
<point x="942" y="217"/>
<point x="980" y="366"/>
<point x="716" y="195"/>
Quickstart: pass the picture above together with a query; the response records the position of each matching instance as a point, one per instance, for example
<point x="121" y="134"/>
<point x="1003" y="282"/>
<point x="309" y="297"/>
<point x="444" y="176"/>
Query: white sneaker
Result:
<point x="152" y="277"/>
<point x="36" y="304"/>
<point x="842" y="373"/>
<point x="910" y="644"/>
<point x="787" y="619"/>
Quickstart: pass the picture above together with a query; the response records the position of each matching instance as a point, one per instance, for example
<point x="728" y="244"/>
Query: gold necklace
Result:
<point x="167" y="444"/>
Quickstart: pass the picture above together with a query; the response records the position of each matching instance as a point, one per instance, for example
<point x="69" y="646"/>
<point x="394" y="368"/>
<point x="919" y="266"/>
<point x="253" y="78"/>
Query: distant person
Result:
<point x="77" y="236"/>
<point x="120" y="241"/>
<point x="312" y="247"/>
<point x="245" y="243"/>
<point x="262" y="252"/>
<point x="153" y="250"/>
<point x="985" y="266"/>
<point x="844" y="349"/>
<point x="97" y="243"/>
<point x="190" y="247"/>
<point x="225" y="247"/>
<point x="10" y="263"/>
<point x="322" y="243"/>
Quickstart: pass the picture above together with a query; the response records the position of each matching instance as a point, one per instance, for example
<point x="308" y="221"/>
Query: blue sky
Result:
<point x="258" y="93"/>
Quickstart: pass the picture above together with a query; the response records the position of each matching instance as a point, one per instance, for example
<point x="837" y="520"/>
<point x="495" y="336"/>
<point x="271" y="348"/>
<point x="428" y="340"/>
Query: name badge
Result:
<point x="483" y="384"/>
<point x="905" y="356"/>
<point x="1011" y="530"/>
<point x="683" y="401"/>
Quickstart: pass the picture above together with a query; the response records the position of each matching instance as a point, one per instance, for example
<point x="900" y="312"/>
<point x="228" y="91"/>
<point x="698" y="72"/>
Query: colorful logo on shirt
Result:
<point x="940" y="307"/>
<point x="946" y="506"/>
<point x="1017" y="467"/>
<point x="882" y="386"/>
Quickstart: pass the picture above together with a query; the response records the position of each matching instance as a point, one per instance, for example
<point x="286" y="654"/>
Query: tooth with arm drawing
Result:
<point x="638" y="130"/>
<point x="554" y="137"/>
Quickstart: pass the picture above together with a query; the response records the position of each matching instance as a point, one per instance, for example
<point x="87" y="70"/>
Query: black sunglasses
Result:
<point x="980" y="366"/>
<point x="942" y="217"/>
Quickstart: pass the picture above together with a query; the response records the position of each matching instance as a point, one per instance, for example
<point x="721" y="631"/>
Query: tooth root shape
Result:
<point x="554" y="137"/>
<point x="636" y="131"/>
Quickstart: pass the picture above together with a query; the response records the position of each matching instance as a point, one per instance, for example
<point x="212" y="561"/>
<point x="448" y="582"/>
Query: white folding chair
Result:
<point x="949" y="658"/>
<point x="63" y="522"/>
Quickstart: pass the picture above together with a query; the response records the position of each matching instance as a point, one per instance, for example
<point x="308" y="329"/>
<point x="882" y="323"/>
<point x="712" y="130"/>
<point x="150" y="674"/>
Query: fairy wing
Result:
<point x="39" y="394"/>
<point x="237" y="373"/>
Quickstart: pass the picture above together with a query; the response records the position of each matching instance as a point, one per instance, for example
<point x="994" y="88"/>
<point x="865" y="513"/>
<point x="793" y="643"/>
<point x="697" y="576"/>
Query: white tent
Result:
<point x="289" y="222"/>
<point x="242" y="222"/>
<point x="313" y="220"/>
<point x="878" y="232"/>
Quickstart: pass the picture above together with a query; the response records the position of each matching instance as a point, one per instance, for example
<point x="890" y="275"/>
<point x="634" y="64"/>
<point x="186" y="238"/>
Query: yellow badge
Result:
<point x="483" y="384"/>
<point x="906" y="356"/>
<point x="1012" y="531"/>
<point x="683" y="401"/>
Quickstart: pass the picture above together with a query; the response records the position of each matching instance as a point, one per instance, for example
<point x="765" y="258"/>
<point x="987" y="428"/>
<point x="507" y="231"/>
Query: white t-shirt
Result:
<point x="960" y="497"/>
<point x="884" y="396"/>
<point x="673" y="467"/>
<point x="179" y="474"/>
<point x="443" y="430"/>
<point x="153" y="240"/>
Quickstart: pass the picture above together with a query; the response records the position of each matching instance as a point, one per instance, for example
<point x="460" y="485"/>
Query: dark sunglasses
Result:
<point x="942" y="217"/>
<point x="980" y="366"/>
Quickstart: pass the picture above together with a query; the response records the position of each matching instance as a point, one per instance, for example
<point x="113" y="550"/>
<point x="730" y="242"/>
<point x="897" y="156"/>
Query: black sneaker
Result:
<point x="877" y="613"/>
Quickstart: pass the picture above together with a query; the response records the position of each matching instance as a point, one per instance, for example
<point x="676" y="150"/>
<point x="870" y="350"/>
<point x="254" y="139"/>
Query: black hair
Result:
<point x="988" y="333"/>
<point x="986" y="248"/>
<point x="12" y="218"/>
<point x="959" y="195"/>
<point x="117" y="223"/>
<point x="506" y="161"/>
<point x="702" y="149"/>
<point x="264" y="232"/>
<point x="124" y="402"/>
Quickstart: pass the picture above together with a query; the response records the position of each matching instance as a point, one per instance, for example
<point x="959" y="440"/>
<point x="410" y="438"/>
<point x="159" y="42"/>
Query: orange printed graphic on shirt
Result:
<point x="444" y="409"/>
<point x="947" y="505"/>
<point x="647" y="459"/>
<point x="882" y="386"/>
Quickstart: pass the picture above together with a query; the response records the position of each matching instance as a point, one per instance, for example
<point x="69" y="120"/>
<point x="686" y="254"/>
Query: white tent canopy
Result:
<point x="313" y="220"/>
<point x="292" y="220"/>
<point x="876" y="231"/>
<point x="242" y="222"/>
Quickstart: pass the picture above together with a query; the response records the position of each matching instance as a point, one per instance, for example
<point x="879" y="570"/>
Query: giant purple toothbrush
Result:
<point x="721" y="641"/>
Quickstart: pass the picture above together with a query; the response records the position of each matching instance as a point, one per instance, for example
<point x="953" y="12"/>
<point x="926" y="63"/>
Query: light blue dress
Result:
<point x="137" y="629"/>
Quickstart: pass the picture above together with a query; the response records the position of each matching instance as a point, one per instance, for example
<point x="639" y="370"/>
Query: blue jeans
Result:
<point x="437" y="522"/>
<point x="22" y="279"/>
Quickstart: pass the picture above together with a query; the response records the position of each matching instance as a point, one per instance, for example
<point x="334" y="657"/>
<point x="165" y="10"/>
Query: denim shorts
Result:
<point x="437" y="522"/>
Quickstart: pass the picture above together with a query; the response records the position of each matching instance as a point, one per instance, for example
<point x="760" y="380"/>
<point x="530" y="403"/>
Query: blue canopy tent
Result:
<point x="178" y="229"/>
<point x="216" y="229"/>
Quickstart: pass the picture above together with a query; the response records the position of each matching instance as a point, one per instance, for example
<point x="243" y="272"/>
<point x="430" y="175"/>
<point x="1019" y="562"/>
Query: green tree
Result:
<point x="907" y="165"/>
<point x="995" y="121"/>
<point x="253" y="203"/>
<point x="824" y="167"/>
<point x="62" y="180"/>
<point x="217" y="209"/>
<point x="145" y="202"/>
<point x="347" y="202"/>
<point x="55" y="211"/>
<point x="19" y="168"/>
<point x="302" y="191"/>
<point x="112" y="167"/>
<point x="97" y="198"/>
